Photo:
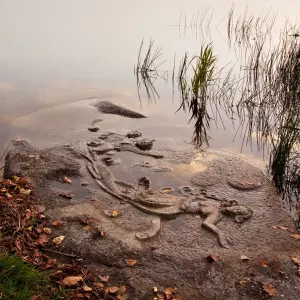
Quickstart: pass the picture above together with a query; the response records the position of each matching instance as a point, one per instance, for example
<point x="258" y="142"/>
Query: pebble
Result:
<point x="93" y="129"/>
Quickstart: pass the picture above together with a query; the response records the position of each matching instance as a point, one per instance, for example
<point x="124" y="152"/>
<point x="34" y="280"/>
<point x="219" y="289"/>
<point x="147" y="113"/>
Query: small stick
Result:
<point x="61" y="253"/>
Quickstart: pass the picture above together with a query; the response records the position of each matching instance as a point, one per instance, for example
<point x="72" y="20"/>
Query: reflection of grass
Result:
<point x="17" y="279"/>
<point x="147" y="70"/>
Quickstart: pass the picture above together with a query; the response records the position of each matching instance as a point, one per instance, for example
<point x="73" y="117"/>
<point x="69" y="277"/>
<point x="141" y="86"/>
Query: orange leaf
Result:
<point x="122" y="290"/>
<point x="131" y="262"/>
<point x="87" y="288"/>
<point x="169" y="291"/>
<point x="213" y="258"/>
<point x="67" y="180"/>
<point x="296" y="236"/>
<point x="269" y="289"/>
<point x="71" y="280"/>
<point x="86" y="228"/>
<point x="56" y="223"/>
<point x="112" y="289"/>
<point x="262" y="264"/>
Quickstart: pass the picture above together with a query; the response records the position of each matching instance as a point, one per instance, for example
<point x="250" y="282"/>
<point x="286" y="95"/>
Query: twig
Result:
<point x="61" y="253"/>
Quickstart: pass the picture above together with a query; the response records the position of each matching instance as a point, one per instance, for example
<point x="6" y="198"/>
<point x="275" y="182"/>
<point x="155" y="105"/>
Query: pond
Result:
<point x="54" y="54"/>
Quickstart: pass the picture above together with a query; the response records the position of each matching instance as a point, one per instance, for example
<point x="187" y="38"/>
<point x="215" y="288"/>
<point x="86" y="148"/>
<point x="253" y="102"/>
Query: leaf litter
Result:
<point x="25" y="232"/>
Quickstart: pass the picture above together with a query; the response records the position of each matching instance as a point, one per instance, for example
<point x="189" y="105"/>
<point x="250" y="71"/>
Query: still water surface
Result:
<point x="53" y="54"/>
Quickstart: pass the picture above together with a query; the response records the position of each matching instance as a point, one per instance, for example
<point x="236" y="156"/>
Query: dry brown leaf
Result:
<point x="43" y="239"/>
<point x="169" y="291"/>
<point x="8" y="195"/>
<point x="262" y="264"/>
<point x="244" y="282"/>
<point x="155" y="289"/>
<point x="104" y="278"/>
<point x="160" y="296"/>
<point x="296" y="260"/>
<point x="86" y="228"/>
<point x="72" y="280"/>
<point x="52" y="261"/>
<point x="213" y="257"/>
<point x="112" y="289"/>
<point x="98" y="285"/>
<point x="244" y="257"/>
<point x="28" y="213"/>
<point x="26" y="192"/>
<point x="122" y="290"/>
<point x="295" y="236"/>
<point x="131" y="262"/>
<point x="58" y="239"/>
<point x="269" y="289"/>
<point x="87" y="288"/>
<point x="47" y="230"/>
<point x="67" y="180"/>
<point x="56" y="223"/>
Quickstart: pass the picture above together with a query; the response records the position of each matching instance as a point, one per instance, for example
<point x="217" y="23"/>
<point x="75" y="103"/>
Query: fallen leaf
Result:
<point x="67" y="180"/>
<point x="8" y="195"/>
<point x="155" y="289"/>
<point x="282" y="227"/>
<point x="160" y="296"/>
<point x="47" y="230"/>
<point x="56" y="223"/>
<point x="296" y="260"/>
<point x="43" y="239"/>
<point x="213" y="258"/>
<point x="28" y="213"/>
<point x="66" y="195"/>
<point x="30" y="228"/>
<point x="114" y="213"/>
<point x="16" y="178"/>
<point x="131" y="262"/>
<point x="98" y="285"/>
<point x="18" y="245"/>
<point x="244" y="257"/>
<point x="169" y="291"/>
<point x="86" y="228"/>
<point x="269" y="289"/>
<point x="262" y="264"/>
<point x="58" y="239"/>
<point x="72" y="280"/>
<point x="122" y="290"/>
<point x="244" y="282"/>
<point x="296" y="236"/>
<point x="26" y="192"/>
<point x="87" y="288"/>
<point x="104" y="278"/>
<point x="52" y="261"/>
<point x="112" y="289"/>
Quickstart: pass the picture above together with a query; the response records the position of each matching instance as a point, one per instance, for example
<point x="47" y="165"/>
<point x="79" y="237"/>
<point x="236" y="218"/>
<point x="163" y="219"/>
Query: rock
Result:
<point x="110" y="161"/>
<point x="93" y="129"/>
<point x="144" y="144"/>
<point x="108" y="107"/>
<point x="94" y="144"/>
<point x="134" y="134"/>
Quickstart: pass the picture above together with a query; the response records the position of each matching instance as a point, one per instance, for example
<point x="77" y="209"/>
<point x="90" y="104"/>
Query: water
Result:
<point x="56" y="53"/>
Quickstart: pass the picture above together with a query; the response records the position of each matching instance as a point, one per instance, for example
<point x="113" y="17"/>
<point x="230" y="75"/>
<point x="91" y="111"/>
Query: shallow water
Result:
<point x="56" y="53"/>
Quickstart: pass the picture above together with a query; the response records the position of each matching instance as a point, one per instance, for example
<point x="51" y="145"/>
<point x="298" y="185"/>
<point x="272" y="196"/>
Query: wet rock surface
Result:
<point x="164" y="229"/>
